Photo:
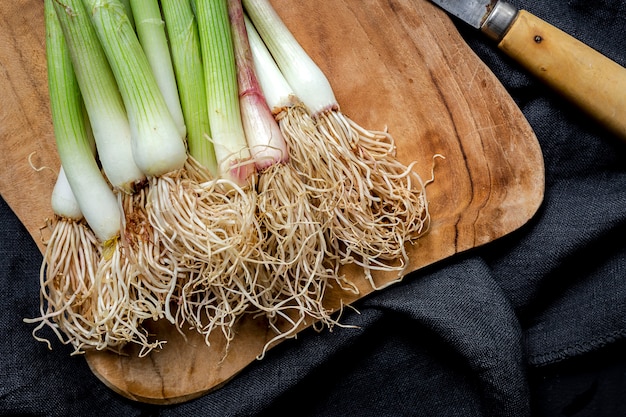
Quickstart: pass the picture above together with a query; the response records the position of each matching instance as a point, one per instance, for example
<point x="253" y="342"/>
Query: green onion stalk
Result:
<point x="150" y="29"/>
<point x="184" y="41"/>
<point x="158" y="145"/>
<point x="294" y="267"/>
<point x="173" y="199"/>
<point x="86" y="213"/>
<point x="209" y="219"/>
<point x="130" y="291"/>
<point x="382" y="204"/>
<point x="67" y="275"/>
<point x="227" y="134"/>
<point x="309" y="157"/>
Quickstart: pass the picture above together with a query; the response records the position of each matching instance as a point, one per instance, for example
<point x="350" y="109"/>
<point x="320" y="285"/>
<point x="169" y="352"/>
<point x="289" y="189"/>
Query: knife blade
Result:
<point x="472" y="12"/>
<point x="578" y="72"/>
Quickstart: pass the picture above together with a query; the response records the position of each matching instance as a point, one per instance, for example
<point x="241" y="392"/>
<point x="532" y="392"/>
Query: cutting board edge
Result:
<point x="151" y="398"/>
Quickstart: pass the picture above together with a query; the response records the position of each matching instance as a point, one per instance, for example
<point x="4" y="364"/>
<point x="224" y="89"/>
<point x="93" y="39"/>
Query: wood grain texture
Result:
<point x="28" y="157"/>
<point x="399" y="64"/>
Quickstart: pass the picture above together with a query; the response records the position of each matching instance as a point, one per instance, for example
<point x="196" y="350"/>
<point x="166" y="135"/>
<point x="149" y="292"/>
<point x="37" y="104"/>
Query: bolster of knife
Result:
<point x="577" y="71"/>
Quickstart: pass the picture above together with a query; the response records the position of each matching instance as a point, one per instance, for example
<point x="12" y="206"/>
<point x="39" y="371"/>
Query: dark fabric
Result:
<point x="530" y="325"/>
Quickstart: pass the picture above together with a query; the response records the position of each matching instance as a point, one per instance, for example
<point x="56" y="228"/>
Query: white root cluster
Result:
<point x="86" y="294"/>
<point x="203" y="252"/>
<point x="211" y="229"/>
<point x="298" y="265"/>
<point x="67" y="278"/>
<point x="391" y="208"/>
<point x="374" y="204"/>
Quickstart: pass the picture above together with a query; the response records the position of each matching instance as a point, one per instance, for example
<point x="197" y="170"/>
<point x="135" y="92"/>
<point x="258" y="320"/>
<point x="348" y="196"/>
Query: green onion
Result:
<point x="151" y="32"/>
<point x="277" y="91"/>
<point x="182" y="30"/>
<point x="156" y="143"/>
<point x="64" y="203"/>
<point x="263" y="135"/>
<point x="220" y="72"/>
<point x="95" y="198"/>
<point x="68" y="272"/>
<point x="297" y="260"/>
<point x="381" y="204"/>
<point x="99" y="90"/>
<point x="301" y="72"/>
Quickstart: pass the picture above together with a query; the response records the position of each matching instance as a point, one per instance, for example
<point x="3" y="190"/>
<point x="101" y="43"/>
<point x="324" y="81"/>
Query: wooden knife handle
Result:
<point x="581" y="74"/>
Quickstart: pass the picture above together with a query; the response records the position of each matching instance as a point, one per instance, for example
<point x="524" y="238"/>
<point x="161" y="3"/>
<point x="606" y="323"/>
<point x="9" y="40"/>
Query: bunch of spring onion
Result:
<point x="207" y="216"/>
<point x="198" y="258"/>
<point x="383" y="203"/>
<point x="136" y="46"/>
<point x="216" y="208"/>
<point x="85" y="303"/>
<point x="133" y="141"/>
<point x="296" y="263"/>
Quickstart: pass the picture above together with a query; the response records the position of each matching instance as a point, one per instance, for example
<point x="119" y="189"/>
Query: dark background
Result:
<point x="530" y="325"/>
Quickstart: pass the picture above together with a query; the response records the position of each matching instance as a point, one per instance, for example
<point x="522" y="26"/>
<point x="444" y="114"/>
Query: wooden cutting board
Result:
<point x="398" y="64"/>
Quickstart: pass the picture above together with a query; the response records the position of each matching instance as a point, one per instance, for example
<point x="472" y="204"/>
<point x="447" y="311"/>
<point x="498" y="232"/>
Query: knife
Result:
<point x="581" y="74"/>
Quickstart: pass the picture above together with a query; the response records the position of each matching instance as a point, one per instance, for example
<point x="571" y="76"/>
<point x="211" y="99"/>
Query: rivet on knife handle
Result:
<point x="578" y="72"/>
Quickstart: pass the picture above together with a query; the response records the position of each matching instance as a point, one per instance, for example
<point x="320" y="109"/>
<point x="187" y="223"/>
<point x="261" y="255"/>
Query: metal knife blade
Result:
<point x="473" y="12"/>
<point x="492" y="17"/>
